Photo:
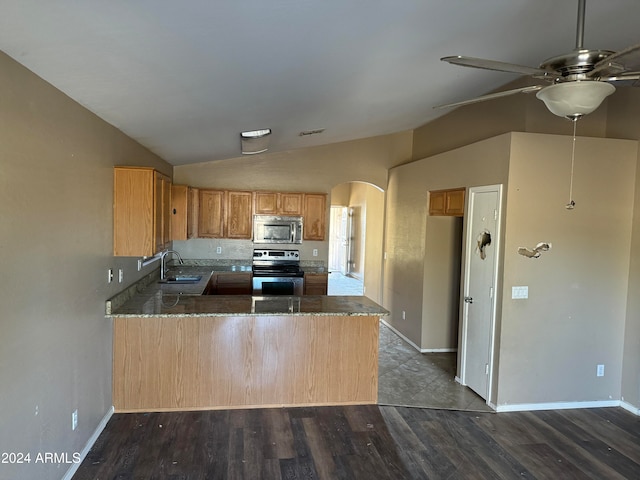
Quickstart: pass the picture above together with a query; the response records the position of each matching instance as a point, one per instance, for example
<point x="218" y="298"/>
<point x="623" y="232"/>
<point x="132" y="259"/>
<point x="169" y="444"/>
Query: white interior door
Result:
<point x="481" y="266"/>
<point x="338" y="244"/>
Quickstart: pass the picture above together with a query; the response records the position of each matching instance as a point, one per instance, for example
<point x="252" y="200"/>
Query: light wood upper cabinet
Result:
<point x="290" y="203"/>
<point x="211" y="213"/>
<point x="314" y="216"/>
<point x="225" y="214"/>
<point x="184" y="214"/>
<point x="141" y="211"/>
<point x="266" y="203"/>
<point x="447" y="202"/>
<point x="278" y="203"/>
<point x="163" y="214"/>
<point x="229" y="213"/>
<point x="239" y="219"/>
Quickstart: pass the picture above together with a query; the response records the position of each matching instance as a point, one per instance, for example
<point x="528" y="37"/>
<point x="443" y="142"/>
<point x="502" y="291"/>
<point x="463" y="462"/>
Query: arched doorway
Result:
<point x="356" y="236"/>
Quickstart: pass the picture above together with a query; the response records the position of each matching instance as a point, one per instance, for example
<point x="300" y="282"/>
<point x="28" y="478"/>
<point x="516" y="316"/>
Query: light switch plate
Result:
<point x="519" y="292"/>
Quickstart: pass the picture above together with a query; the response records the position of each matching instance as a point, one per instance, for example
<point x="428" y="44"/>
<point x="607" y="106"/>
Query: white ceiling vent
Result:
<point x="255" y="141"/>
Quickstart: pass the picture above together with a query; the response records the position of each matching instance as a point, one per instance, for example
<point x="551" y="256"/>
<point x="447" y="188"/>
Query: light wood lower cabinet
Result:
<point x="187" y="363"/>
<point x="230" y="283"/>
<point x="315" y="283"/>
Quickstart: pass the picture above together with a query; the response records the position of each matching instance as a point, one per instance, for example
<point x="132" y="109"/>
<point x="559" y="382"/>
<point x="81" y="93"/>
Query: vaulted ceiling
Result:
<point x="184" y="78"/>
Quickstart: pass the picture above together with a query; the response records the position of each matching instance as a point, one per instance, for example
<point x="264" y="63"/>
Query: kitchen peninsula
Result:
<point x="175" y="349"/>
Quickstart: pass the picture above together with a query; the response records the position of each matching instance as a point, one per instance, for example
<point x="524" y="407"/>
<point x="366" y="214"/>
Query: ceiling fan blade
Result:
<point x="491" y="96"/>
<point x="627" y="60"/>
<point x="628" y="79"/>
<point x="497" y="66"/>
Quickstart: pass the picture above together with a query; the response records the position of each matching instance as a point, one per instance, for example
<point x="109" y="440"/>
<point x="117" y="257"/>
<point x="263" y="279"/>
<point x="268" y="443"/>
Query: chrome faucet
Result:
<point x="163" y="267"/>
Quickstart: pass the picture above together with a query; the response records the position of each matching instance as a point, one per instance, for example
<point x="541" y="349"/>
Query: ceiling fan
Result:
<point x="580" y="80"/>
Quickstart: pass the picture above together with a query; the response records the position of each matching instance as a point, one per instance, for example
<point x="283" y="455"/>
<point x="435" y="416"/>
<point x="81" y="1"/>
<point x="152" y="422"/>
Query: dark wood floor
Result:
<point x="367" y="442"/>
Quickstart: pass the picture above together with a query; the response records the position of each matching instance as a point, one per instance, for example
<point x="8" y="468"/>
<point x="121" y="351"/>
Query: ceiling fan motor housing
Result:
<point x="576" y="63"/>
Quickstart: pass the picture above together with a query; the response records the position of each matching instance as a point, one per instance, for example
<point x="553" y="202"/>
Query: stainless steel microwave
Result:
<point x="277" y="229"/>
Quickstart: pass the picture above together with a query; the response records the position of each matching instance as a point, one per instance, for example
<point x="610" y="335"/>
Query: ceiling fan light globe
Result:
<point x="574" y="99"/>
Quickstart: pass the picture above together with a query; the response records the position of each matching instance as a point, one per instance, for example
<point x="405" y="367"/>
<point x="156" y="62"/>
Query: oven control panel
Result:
<point x="277" y="255"/>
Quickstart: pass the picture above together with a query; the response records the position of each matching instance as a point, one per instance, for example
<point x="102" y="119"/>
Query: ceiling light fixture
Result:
<point x="255" y="141"/>
<point x="575" y="99"/>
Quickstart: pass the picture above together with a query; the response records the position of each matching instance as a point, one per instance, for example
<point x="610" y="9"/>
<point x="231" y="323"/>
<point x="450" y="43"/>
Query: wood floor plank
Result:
<point x="320" y="452"/>
<point x="366" y="442"/>
<point x="627" y="443"/>
<point x="599" y="450"/>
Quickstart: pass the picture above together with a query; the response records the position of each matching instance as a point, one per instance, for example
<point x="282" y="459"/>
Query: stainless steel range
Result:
<point x="277" y="272"/>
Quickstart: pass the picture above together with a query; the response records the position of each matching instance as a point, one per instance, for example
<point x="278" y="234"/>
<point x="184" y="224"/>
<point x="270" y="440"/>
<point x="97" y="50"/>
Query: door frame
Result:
<point x="341" y="244"/>
<point x="469" y="247"/>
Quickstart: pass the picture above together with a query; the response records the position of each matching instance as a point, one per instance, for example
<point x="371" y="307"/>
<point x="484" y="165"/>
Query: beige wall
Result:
<point x="574" y="318"/>
<point x="410" y="267"/>
<point x="576" y="315"/>
<point x="624" y="122"/>
<point x="56" y="182"/>
<point x="616" y="118"/>
<point x="369" y="201"/>
<point x="517" y="113"/>
<point x="316" y="169"/>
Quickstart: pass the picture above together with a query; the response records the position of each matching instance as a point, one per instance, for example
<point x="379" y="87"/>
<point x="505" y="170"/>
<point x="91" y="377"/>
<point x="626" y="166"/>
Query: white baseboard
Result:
<point x="92" y="439"/>
<point x="632" y="408"/>
<point x="421" y="350"/>
<point x="527" y="407"/>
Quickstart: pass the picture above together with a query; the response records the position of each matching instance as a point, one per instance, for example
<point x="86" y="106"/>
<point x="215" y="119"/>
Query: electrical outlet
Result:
<point x="110" y="275"/>
<point x="120" y="275"/>
<point x="218" y="250"/>
<point x="315" y="252"/>
<point x="74" y="419"/>
<point x="600" y="371"/>
<point x="404" y="315"/>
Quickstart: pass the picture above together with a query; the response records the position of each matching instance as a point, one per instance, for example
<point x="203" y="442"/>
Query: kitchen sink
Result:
<point x="182" y="279"/>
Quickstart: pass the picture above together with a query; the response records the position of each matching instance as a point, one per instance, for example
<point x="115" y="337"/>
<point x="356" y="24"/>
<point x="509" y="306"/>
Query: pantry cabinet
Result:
<point x="447" y="202"/>
<point x="141" y="211"/>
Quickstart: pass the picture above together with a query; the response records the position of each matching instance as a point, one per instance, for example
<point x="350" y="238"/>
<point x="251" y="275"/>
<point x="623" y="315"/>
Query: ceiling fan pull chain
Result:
<point x="571" y="203"/>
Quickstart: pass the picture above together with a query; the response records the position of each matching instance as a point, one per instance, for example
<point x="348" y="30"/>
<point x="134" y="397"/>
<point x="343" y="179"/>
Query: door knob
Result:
<point x="468" y="299"/>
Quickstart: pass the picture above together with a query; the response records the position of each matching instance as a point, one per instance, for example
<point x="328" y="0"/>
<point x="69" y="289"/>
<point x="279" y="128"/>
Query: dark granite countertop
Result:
<point x="149" y="298"/>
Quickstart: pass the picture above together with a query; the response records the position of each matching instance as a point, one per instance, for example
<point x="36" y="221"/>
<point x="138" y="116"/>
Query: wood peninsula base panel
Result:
<point x="190" y="363"/>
